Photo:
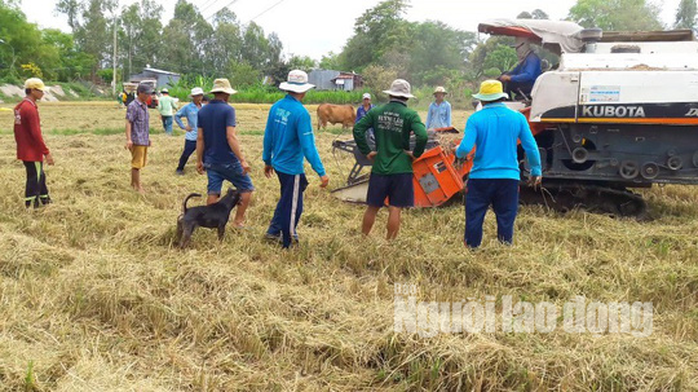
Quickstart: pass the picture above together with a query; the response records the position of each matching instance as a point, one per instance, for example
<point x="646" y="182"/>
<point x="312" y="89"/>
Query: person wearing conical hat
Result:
<point x="31" y="149"/>
<point x="439" y="114"/>
<point x="391" y="174"/>
<point x="218" y="150"/>
<point x="494" y="178"/>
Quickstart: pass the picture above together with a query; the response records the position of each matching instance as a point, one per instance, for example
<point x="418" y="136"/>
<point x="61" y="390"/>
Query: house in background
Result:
<point x="335" y="80"/>
<point x="164" y="78"/>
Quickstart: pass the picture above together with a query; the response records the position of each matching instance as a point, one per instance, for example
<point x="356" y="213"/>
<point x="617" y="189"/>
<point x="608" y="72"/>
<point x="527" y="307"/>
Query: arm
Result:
<point x="468" y="142"/>
<point x="307" y="139"/>
<point x="448" y="115"/>
<point x="268" y="140"/>
<point x="429" y="116"/>
<point x="32" y="119"/>
<point x="200" y="151"/>
<point x="360" y="129"/>
<point x="530" y="147"/>
<point x="528" y="70"/>
<point x="234" y="144"/>
<point x="130" y="114"/>
<point x="420" y="133"/>
<point x="178" y="118"/>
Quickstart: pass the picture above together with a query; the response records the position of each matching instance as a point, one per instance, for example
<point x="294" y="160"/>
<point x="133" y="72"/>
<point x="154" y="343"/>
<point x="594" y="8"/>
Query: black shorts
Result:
<point x="397" y="188"/>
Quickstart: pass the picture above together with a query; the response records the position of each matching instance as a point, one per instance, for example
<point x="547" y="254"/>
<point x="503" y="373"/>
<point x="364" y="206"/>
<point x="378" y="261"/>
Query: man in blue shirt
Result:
<point x="288" y="138"/>
<point x="520" y="80"/>
<point x="494" y="178"/>
<point x="191" y="113"/>
<point x="439" y="114"/>
<point x="218" y="150"/>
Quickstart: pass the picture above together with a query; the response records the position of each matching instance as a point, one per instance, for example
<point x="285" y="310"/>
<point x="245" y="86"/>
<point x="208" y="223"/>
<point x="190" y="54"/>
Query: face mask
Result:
<point x="522" y="50"/>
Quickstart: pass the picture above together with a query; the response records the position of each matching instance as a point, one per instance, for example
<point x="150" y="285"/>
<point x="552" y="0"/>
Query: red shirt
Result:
<point x="30" y="143"/>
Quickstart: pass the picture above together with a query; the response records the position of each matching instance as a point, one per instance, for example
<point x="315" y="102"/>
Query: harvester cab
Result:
<point x="620" y="111"/>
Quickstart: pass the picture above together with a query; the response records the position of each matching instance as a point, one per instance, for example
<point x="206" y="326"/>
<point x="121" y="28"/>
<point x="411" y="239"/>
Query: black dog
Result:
<point x="213" y="216"/>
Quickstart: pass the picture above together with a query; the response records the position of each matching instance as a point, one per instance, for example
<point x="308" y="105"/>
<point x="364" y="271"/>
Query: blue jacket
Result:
<point x="289" y="138"/>
<point x="528" y="70"/>
<point x="495" y="130"/>
<point x="190" y="111"/>
<point x="439" y="116"/>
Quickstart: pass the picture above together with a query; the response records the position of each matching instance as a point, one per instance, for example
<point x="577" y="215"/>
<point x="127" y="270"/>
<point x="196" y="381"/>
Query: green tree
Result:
<point x="617" y="15"/>
<point x="330" y="61"/>
<point x="185" y="41"/>
<point x="686" y="15"/>
<point x="140" y="35"/>
<point x="304" y="63"/>
<point x="69" y="63"/>
<point x="502" y="57"/>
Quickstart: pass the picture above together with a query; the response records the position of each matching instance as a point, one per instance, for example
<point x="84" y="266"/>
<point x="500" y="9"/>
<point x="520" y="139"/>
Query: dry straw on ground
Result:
<point x="94" y="297"/>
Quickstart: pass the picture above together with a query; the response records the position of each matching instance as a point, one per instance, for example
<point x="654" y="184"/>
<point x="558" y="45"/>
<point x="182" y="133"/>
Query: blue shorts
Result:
<point x="398" y="188"/>
<point x="232" y="172"/>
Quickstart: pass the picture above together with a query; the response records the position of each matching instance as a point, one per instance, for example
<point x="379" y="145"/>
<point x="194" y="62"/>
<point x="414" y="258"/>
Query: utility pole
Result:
<point x="113" y="88"/>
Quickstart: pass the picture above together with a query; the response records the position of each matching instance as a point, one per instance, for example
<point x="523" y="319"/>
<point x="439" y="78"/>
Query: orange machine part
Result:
<point x="436" y="179"/>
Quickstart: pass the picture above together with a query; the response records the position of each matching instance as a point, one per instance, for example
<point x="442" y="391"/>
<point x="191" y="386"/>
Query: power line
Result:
<point x="267" y="10"/>
<point x="209" y="6"/>
<point x="221" y="9"/>
<point x="206" y="4"/>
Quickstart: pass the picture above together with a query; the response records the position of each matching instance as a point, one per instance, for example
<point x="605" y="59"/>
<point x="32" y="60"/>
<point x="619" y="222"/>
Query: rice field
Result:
<point x="94" y="296"/>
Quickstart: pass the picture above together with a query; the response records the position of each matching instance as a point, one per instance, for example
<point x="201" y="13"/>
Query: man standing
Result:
<point x="191" y="112"/>
<point x="391" y="175"/>
<point x="364" y="108"/>
<point x="439" y="114"/>
<point x="520" y="80"/>
<point x="31" y="149"/>
<point x="218" y="150"/>
<point x="166" y="107"/>
<point x="138" y="133"/>
<point x="288" y="138"/>
<point x="494" y="178"/>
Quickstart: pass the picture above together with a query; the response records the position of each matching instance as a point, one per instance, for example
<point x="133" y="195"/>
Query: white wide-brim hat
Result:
<point x="196" y="91"/>
<point x="222" y="86"/>
<point x="400" y="88"/>
<point x="297" y="82"/>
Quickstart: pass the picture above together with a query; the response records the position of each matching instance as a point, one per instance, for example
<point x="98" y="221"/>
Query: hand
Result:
<point x="49" y="159"/>
<point x="200" y="167"/>
<point x="268" y="171"/>
<point x="188" y="128"/>
<point x="371" y="155"/>
<point x="325" y="181"/>
<point x="535" y="181"/>
<point x="129" y="145"/>
<point x="505" y="78"/>
<point x="410" y="154"/>
<point x="245" y="166"/>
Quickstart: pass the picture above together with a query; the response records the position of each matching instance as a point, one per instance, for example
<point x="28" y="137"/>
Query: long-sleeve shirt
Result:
<point x="30" y="142"/>
<point x="495" y="131"/>
<point x="392" y="125"/>
<point x="439" y="115"/>
<point x="167" y="105"/>
<point x="288" y="138"/>
<point x="361" y="112"/>
<point x="191" y="112"/>
<point x="528" y="70"/>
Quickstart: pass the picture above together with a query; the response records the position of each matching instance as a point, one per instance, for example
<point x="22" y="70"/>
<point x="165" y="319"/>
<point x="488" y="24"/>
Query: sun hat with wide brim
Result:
<point x="297" y="82"/>
<point x="196" y="91"/>
<point x="491" y="90"/>
<point x="440" y="90"/>
<point x="34" y="84"/>
<point x="400" y="88"/>
<point x="222" y="86"/>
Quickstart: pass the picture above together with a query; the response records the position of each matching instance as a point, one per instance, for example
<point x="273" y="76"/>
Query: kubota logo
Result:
<point x="692" y="113"/>
<point x="613" y="111"/>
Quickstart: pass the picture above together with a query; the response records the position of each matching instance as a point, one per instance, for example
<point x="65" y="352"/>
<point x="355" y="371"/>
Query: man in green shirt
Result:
<point x="167" y="108"/>
<point x="391" y="175"/>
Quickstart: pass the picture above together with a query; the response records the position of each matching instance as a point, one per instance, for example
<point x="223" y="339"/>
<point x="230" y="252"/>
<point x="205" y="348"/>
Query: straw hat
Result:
<point x="491" y="90"/>
<point x="222" y="86"/>
<point x="297" y="82"/>
<point x="400" y="88"/>
<point x="440" y="90"/>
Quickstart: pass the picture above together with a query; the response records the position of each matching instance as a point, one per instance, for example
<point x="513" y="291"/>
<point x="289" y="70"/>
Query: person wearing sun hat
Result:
<point x="288" y="139"/>
<point x="218" y="150"/>
<point x="494" y="179"/>
<point x="439" y="114"/>
<point x="31" y="149"/>
<point x="167" y="108"/>
<point x="391" y="174"/>
<point x="189" y="111"/>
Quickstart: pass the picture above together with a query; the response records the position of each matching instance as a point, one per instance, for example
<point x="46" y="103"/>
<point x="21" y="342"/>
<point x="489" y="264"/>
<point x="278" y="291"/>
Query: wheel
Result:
<point x="629" y="170"/>
<point x="580" y="155"/>
<point x="675" y="163"/>
<point x="649" y="171"/>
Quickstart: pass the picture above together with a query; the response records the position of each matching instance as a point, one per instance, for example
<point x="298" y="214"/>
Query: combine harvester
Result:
<point x="620" y="111"/>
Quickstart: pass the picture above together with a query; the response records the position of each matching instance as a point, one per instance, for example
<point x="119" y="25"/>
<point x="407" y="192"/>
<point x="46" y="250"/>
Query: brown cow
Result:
<point x="335" y="114"/>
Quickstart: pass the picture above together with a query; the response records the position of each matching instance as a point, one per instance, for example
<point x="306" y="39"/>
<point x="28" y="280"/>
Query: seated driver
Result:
<point x="520" y="80"/>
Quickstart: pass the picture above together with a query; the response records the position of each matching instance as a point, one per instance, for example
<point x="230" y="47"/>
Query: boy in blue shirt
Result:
<point x="190" y="111"/>
<point x="494" y="178"/>
<point x="288" y="138"/>
<point x="218" y="150"/>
